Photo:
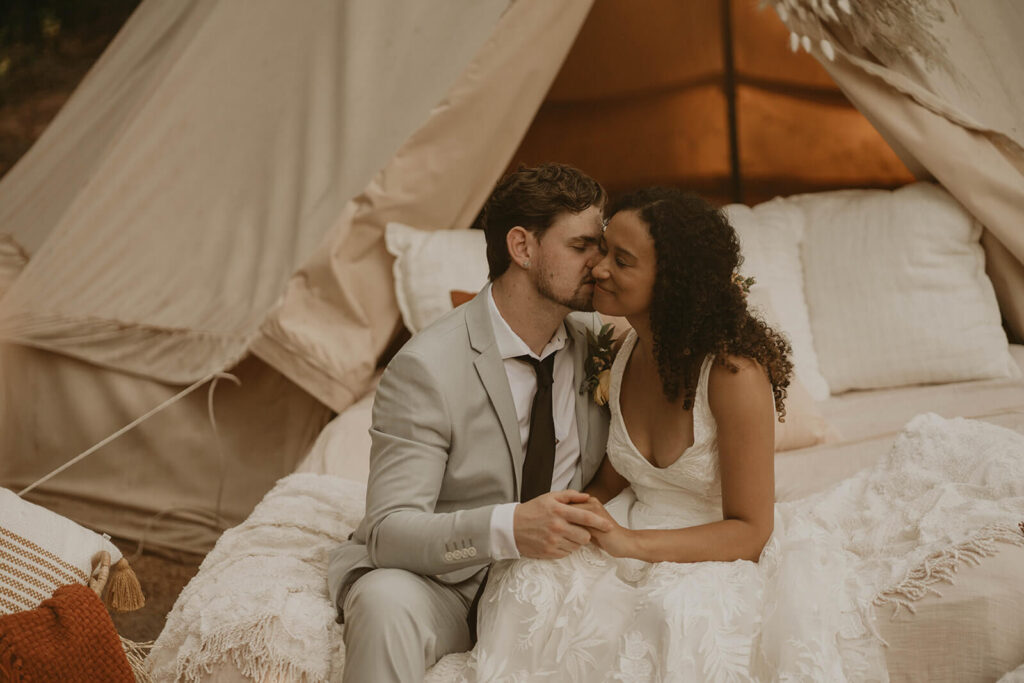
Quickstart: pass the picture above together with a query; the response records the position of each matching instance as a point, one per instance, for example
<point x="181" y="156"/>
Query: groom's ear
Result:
<point x="519" y="245"/>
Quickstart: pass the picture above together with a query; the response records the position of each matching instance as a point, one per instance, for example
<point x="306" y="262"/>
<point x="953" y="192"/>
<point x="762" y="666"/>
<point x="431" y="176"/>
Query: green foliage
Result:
<point x="39" y="22"/>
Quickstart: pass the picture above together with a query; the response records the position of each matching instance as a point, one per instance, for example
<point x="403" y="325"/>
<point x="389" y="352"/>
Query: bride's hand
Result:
<point x="618" y="542"/>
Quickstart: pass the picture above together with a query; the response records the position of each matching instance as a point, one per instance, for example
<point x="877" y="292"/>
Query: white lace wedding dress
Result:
<point x="591" y="617"/>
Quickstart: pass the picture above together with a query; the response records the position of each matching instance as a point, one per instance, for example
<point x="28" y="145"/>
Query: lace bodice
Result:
<point x="690" y="488"/>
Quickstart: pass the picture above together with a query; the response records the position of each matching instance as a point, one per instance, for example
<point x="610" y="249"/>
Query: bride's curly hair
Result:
<point x="697" y="306"/>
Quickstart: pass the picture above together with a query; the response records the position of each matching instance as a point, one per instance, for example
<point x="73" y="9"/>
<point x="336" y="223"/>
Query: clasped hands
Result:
<point x="555" y="524"/>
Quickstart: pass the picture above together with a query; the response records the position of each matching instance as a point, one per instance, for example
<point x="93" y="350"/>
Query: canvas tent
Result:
<point x="214" y="195"/>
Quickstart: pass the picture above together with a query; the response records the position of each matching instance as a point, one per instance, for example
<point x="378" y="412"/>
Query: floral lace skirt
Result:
<point x="592" y="617"/>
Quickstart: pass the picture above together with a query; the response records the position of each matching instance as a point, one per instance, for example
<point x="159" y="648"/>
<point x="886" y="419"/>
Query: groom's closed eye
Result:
<point x="584" y="243"/>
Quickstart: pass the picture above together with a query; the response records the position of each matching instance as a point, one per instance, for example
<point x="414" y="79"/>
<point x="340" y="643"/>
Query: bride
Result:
<point x="696" y="580"/>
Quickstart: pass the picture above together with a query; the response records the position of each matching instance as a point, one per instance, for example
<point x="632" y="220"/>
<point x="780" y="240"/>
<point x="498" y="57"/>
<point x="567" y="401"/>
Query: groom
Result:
<point x="481" y="438"/>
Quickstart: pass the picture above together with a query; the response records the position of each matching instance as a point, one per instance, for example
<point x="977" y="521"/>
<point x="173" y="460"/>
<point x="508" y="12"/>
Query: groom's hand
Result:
<point x="549" y="526"/>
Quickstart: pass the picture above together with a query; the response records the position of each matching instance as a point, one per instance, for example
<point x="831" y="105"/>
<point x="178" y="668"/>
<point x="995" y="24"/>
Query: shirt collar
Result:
<point x="511" y="345"/>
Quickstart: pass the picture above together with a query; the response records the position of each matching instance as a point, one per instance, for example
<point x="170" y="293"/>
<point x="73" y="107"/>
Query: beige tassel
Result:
<point x="100" y="573"/>
<point x="124" y="593"/>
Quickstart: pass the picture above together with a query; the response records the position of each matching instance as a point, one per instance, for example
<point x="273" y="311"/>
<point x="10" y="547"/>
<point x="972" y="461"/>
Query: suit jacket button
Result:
<point x="472" y="552"/>
<point x="448" y="556"/>
<point x="460" y="554"/>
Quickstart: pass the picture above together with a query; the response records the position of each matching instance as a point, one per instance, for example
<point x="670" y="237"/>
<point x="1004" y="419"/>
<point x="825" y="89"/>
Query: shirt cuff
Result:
<point x="503" y="538"/>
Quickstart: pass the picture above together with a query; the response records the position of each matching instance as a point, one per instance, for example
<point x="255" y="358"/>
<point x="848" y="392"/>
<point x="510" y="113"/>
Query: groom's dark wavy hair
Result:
<point x="533" y="198"/>
<point x="696" y="307"/>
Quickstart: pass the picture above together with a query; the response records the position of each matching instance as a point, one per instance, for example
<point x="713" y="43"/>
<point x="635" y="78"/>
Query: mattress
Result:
<point x="868" y="422"/>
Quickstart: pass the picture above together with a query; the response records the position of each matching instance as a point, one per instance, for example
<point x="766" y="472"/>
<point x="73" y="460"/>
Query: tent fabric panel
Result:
<point x="36" y="193"/>
<point x="13" y="258"/>
<point x="230" y="172"/>
<point x="965" y="68"/>
<point x="630" y="124"/>
<point x="620" y="52"/>
<point x="762" y="52"/>
<point x="1007" y="275"/>
<point x="793" y="144"/>
<point x="339" y="311"/>
<point x="671" y="137"/>
<point x="53" y="407"/>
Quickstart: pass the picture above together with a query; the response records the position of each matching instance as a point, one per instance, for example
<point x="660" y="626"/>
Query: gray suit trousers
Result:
<point x="398" y="624"/>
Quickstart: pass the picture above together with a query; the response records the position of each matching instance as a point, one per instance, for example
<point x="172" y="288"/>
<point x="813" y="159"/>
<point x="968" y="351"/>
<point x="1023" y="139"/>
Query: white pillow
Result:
<point x="42" y="551"/>
<point x="770" y="235"/>
<point x="805" y="424"/>
<point x="429" y="265"/>
<point x="896" y="289"/>
<point x="343" y="447"/>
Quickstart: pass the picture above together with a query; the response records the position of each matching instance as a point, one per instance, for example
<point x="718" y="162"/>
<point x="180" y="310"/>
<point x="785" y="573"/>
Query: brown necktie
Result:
<point x="539" y="464"/>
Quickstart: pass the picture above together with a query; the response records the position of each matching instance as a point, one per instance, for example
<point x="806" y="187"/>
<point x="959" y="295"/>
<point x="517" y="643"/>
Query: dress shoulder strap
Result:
<point x="703" y="421"/>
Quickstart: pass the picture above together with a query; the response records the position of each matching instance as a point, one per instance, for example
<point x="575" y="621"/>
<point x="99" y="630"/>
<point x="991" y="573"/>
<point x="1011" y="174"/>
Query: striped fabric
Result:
<point x="40" y="551"/>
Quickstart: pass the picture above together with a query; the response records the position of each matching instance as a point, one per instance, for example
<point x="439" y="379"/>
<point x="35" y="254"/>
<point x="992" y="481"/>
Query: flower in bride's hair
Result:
<point x="604" y="382"/>
<point x="601" y="350"/>
<point x="744" y="283"/>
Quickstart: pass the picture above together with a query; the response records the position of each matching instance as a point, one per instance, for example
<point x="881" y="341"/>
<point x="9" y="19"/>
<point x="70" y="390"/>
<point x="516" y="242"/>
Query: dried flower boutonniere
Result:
<point x="601" y="350"/>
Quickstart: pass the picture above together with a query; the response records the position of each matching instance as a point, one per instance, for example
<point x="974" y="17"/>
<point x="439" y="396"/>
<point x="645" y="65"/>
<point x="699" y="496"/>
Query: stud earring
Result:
<point x="526" y="263"/>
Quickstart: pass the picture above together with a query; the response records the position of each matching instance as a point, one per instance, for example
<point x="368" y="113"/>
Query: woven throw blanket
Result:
<point x="947" y="493"/>
<point x="68" y="637"/>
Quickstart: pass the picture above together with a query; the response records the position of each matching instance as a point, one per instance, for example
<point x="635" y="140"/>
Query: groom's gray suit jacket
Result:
<point x="446" y="450"/>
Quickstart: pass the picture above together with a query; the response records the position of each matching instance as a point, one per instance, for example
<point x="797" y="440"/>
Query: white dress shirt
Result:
<point x="522" y="380"/>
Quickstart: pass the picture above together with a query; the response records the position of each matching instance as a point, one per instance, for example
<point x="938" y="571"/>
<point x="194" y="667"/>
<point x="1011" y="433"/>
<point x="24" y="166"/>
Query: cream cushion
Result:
<point x="42" y="551"/>
<point x="896" y="290"/>
<point x="770" y="237"/>
<point x="343" y="447"/>
<point x="804" y="425"/>
<point x="429" y="265"/>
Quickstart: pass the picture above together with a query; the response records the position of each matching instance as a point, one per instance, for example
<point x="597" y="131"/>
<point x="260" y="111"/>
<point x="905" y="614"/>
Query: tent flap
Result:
<point x="201" y="162"/>
<point x="339" y="311"/>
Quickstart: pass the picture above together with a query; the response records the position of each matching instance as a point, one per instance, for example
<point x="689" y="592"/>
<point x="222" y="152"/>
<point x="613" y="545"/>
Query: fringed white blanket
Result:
<point x="947" y="493"/>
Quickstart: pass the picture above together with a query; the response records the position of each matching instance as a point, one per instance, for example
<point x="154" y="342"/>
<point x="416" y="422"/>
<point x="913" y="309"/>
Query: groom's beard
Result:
<point x="580" y="300"/>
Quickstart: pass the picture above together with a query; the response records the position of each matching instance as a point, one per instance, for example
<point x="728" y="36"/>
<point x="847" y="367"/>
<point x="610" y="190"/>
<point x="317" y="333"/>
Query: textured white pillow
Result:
<point x="770" y="235"/>
<point x="429" y="265"/>
<point x="896" y="289"/>
<point x="42" y="551"/>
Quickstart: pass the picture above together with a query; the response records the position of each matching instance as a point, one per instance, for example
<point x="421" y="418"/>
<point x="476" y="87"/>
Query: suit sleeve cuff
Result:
<point x="503" y="539"/>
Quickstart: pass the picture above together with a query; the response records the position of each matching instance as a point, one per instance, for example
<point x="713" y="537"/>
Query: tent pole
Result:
<point x="729" y="85"/>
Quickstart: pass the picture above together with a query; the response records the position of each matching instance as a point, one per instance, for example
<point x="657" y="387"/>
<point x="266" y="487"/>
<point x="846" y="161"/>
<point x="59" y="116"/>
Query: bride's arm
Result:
<point x="607" y="483"/>
<point x="744" y="410"/>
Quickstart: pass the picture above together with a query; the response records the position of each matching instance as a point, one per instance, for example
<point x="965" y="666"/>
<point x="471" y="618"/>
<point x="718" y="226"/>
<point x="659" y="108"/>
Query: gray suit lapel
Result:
<point x="491" y="369"/>
<point x="583" y="400"/>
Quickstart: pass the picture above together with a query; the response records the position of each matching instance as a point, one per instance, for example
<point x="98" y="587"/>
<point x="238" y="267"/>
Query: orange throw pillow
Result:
<point x="69" y="637"/>
<point x="459" y="297"/>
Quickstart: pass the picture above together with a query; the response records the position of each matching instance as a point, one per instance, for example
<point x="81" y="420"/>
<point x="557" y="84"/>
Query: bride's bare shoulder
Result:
<point x="732" y="377"/>
<point x="727" y="363"/>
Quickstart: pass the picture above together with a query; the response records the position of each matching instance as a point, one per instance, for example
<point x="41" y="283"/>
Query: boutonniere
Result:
<point x="601" y="350"/>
